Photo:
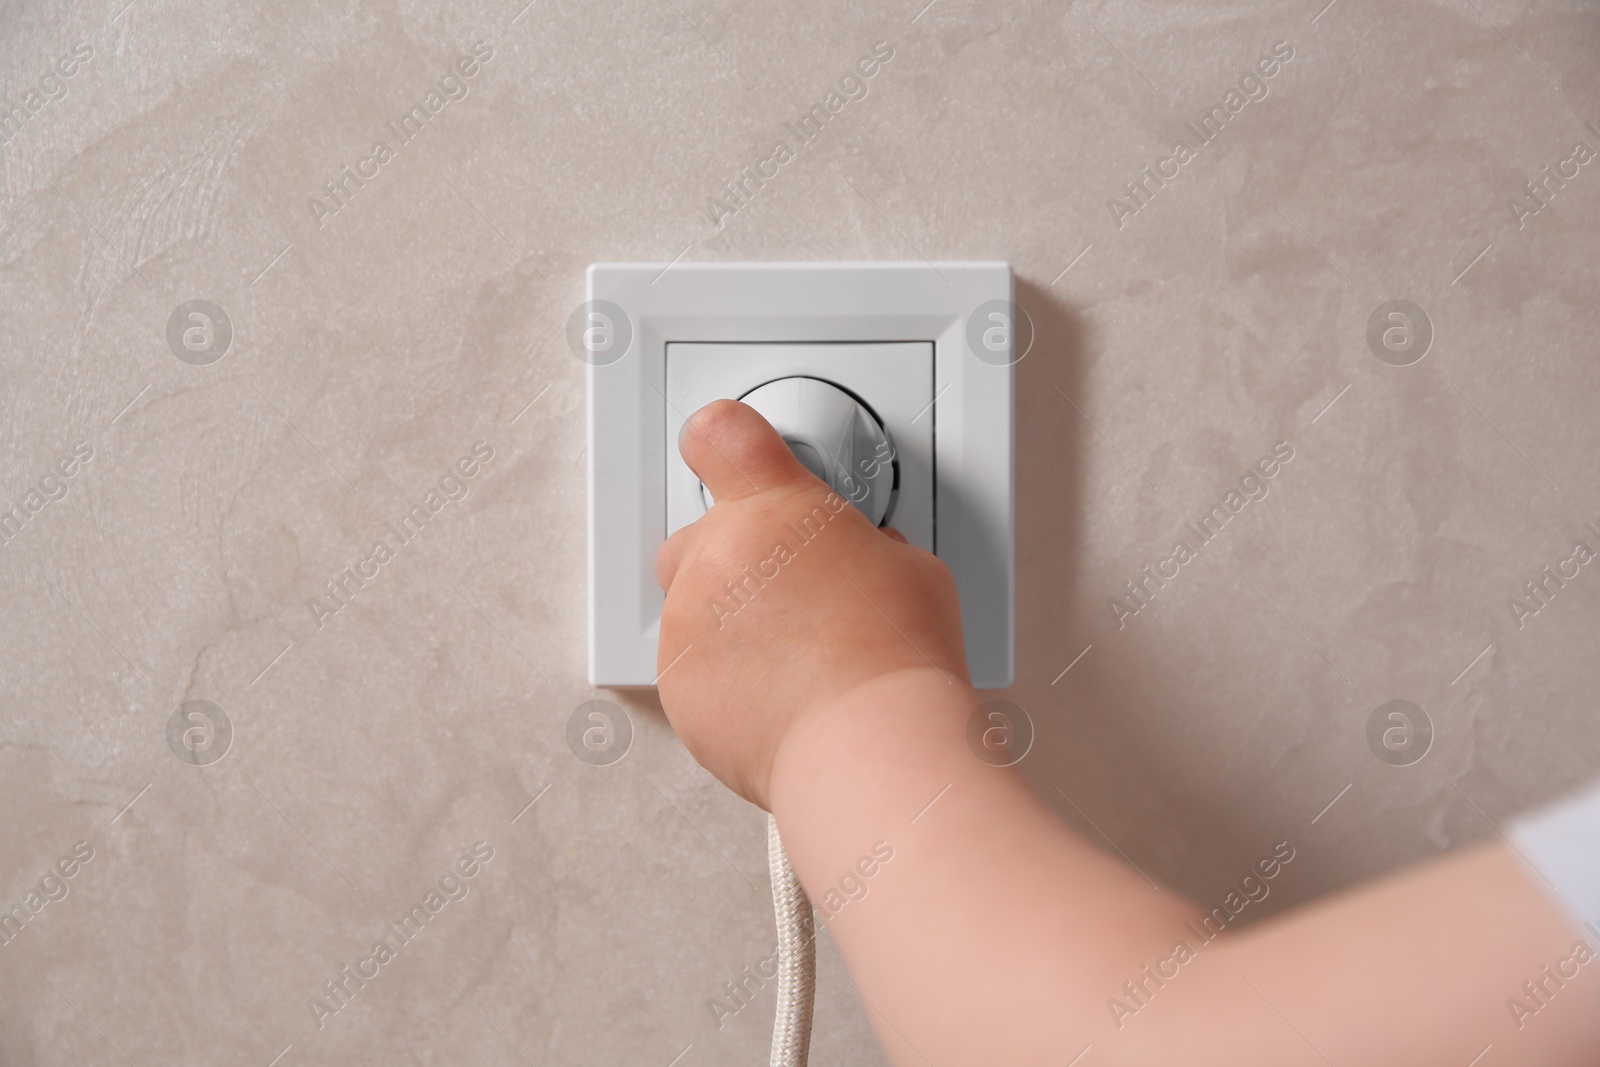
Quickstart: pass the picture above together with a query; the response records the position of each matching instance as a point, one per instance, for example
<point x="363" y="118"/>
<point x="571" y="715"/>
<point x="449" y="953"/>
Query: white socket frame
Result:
<point x="796" y="302"/>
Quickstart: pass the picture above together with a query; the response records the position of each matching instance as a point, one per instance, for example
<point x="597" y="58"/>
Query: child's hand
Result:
<point x="782" y="597"/>
<point x="998" y="934"/>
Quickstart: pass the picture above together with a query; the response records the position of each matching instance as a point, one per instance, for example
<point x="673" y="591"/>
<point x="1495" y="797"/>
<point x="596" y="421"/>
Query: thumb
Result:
<point x="736" y="452"/>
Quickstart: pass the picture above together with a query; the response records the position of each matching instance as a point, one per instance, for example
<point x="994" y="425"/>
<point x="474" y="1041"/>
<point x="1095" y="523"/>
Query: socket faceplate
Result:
<point x="634" y="311"/>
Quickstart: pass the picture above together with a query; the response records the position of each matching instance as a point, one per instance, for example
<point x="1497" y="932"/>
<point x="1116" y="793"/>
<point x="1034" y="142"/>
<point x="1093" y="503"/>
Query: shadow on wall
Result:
<point x="1050" y="470"/>
<point x="1119" y="748"/>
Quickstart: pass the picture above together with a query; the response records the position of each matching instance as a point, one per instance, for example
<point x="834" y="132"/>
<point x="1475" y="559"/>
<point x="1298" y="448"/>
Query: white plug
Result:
<point x="834" y="436"/>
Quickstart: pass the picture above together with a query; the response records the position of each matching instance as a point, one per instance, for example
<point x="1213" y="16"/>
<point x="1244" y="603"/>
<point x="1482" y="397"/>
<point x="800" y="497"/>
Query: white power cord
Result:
<point x="797" y="957"/>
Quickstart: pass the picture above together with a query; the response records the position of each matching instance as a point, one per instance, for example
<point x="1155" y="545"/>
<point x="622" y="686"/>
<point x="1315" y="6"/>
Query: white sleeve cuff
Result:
<point x="1562" y="842"/>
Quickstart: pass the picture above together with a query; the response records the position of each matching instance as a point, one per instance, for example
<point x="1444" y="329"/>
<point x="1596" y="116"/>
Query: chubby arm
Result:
<point x="996" y="934"/>
<point x="816" y="668"/>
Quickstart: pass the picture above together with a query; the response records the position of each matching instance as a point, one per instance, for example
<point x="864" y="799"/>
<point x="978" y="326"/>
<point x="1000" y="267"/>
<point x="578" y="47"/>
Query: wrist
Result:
<point x="912" y="714"/>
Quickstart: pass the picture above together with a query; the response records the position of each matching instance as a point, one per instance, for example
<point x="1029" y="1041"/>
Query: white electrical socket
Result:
<point x="928" y="348"/>
<point x="893" y="380"/>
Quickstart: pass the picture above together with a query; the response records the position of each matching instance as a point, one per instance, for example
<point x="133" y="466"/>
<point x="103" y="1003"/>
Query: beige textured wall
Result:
<point x="373" y="347"/>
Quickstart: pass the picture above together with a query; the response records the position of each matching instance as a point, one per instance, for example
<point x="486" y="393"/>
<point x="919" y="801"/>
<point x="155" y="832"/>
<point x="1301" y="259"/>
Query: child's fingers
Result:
<point x="736" y="452"/>
<point x="894" y="535"/>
